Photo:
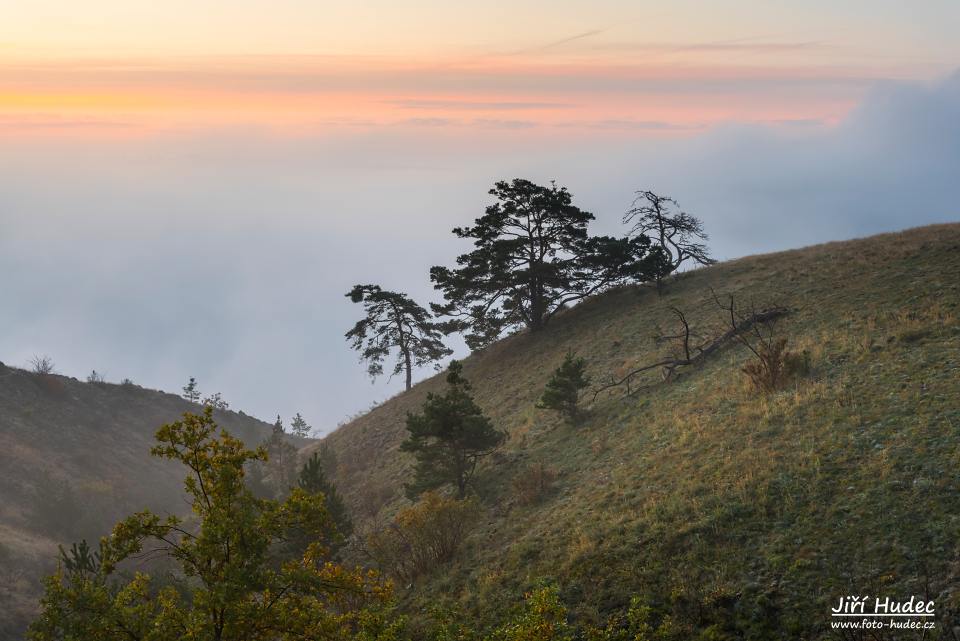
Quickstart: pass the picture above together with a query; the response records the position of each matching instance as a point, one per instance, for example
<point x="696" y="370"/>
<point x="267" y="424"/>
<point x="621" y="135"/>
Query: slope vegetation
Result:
<point x="702" y="495"/>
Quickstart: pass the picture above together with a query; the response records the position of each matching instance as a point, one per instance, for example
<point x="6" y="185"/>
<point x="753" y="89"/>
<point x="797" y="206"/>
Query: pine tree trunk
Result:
<point x="409" y="367"/>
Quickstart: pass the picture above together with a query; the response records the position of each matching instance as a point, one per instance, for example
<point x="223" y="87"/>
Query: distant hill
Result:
<point x="701" y="494"/>
<point x="74" y="459"/>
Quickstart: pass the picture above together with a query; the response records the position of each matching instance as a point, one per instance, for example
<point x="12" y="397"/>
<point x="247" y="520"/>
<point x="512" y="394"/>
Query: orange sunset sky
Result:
<point x="189" y="187"/>
<point x="115" y="67"/>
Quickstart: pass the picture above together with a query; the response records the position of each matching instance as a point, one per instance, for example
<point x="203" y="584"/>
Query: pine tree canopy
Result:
<point x="394" y="321"/>
<point x="533" y="256"/>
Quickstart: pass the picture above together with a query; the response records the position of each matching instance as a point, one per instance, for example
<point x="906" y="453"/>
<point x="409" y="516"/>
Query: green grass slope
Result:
<point x="94" y="440"/>
<point x="702" y="493"/>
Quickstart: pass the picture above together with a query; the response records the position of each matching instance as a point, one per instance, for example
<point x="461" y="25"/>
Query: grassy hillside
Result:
<point x="74" y="459"/>
<point x="703" y="495"/>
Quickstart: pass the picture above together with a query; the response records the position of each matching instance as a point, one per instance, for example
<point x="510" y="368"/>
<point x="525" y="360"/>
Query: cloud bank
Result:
<point x="225" y="255"/>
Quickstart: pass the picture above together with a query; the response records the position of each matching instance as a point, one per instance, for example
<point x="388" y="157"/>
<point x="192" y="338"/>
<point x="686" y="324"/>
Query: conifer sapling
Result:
<point x="449" y="437"/>
<point x="562" y="392"/>
<point x="299" y="426"/>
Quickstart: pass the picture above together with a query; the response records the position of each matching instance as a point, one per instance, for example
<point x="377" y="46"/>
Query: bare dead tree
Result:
<point x="42" y="365"/>
<point x="677" y="234"/>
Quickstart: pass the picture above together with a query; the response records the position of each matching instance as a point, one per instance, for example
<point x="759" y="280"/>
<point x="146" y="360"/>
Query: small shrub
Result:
<point x="224" y="570"/>
<point x="543" y="617"/>
<point x="422" y="537"/>
<point x="632" y="625"/>
<point x="449" y="623"/>
<point x="774" y="365"/>
<point x="533" y="483"/>
<point x="562" y="392"/>
<point x="797" y="364"/>
<point x="95" y="377"/>
<point x="216" y="402"/>
<point x="42" y="365"/>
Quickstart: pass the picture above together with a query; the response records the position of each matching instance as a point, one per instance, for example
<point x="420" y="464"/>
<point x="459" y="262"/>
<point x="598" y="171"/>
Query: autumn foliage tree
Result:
<point x="533" y="256"/>
<point x="449" y="437"/>
<point x="394" y="322"/>
<point x="231" y="588"/>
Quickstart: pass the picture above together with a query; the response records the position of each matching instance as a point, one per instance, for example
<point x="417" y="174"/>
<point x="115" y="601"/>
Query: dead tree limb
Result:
<point x="691" y="356"/>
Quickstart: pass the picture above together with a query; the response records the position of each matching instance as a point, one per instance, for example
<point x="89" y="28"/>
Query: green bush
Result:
<point x="541" y="618"/>
<point x="562" y="392"/>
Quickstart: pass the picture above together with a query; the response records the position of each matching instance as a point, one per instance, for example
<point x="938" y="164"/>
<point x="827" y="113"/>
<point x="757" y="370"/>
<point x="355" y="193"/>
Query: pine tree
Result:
<point x="299" y="426"/>
<point x="80" y="558"/>
<point x="533" y="256"/>
<point x="313" y="479"/>
<point x="394" y="321"/>
<point x="191" y="392"/>
<point x="562" y="392"/>
<point x="281" y="462"/>
<point x="449" y="437"/>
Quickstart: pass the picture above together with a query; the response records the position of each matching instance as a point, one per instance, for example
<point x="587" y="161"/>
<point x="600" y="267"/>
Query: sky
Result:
<point x="189" y="188"/>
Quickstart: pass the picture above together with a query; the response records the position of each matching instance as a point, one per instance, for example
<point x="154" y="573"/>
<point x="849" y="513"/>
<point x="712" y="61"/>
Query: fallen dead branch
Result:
<point x="737" y="323"/>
